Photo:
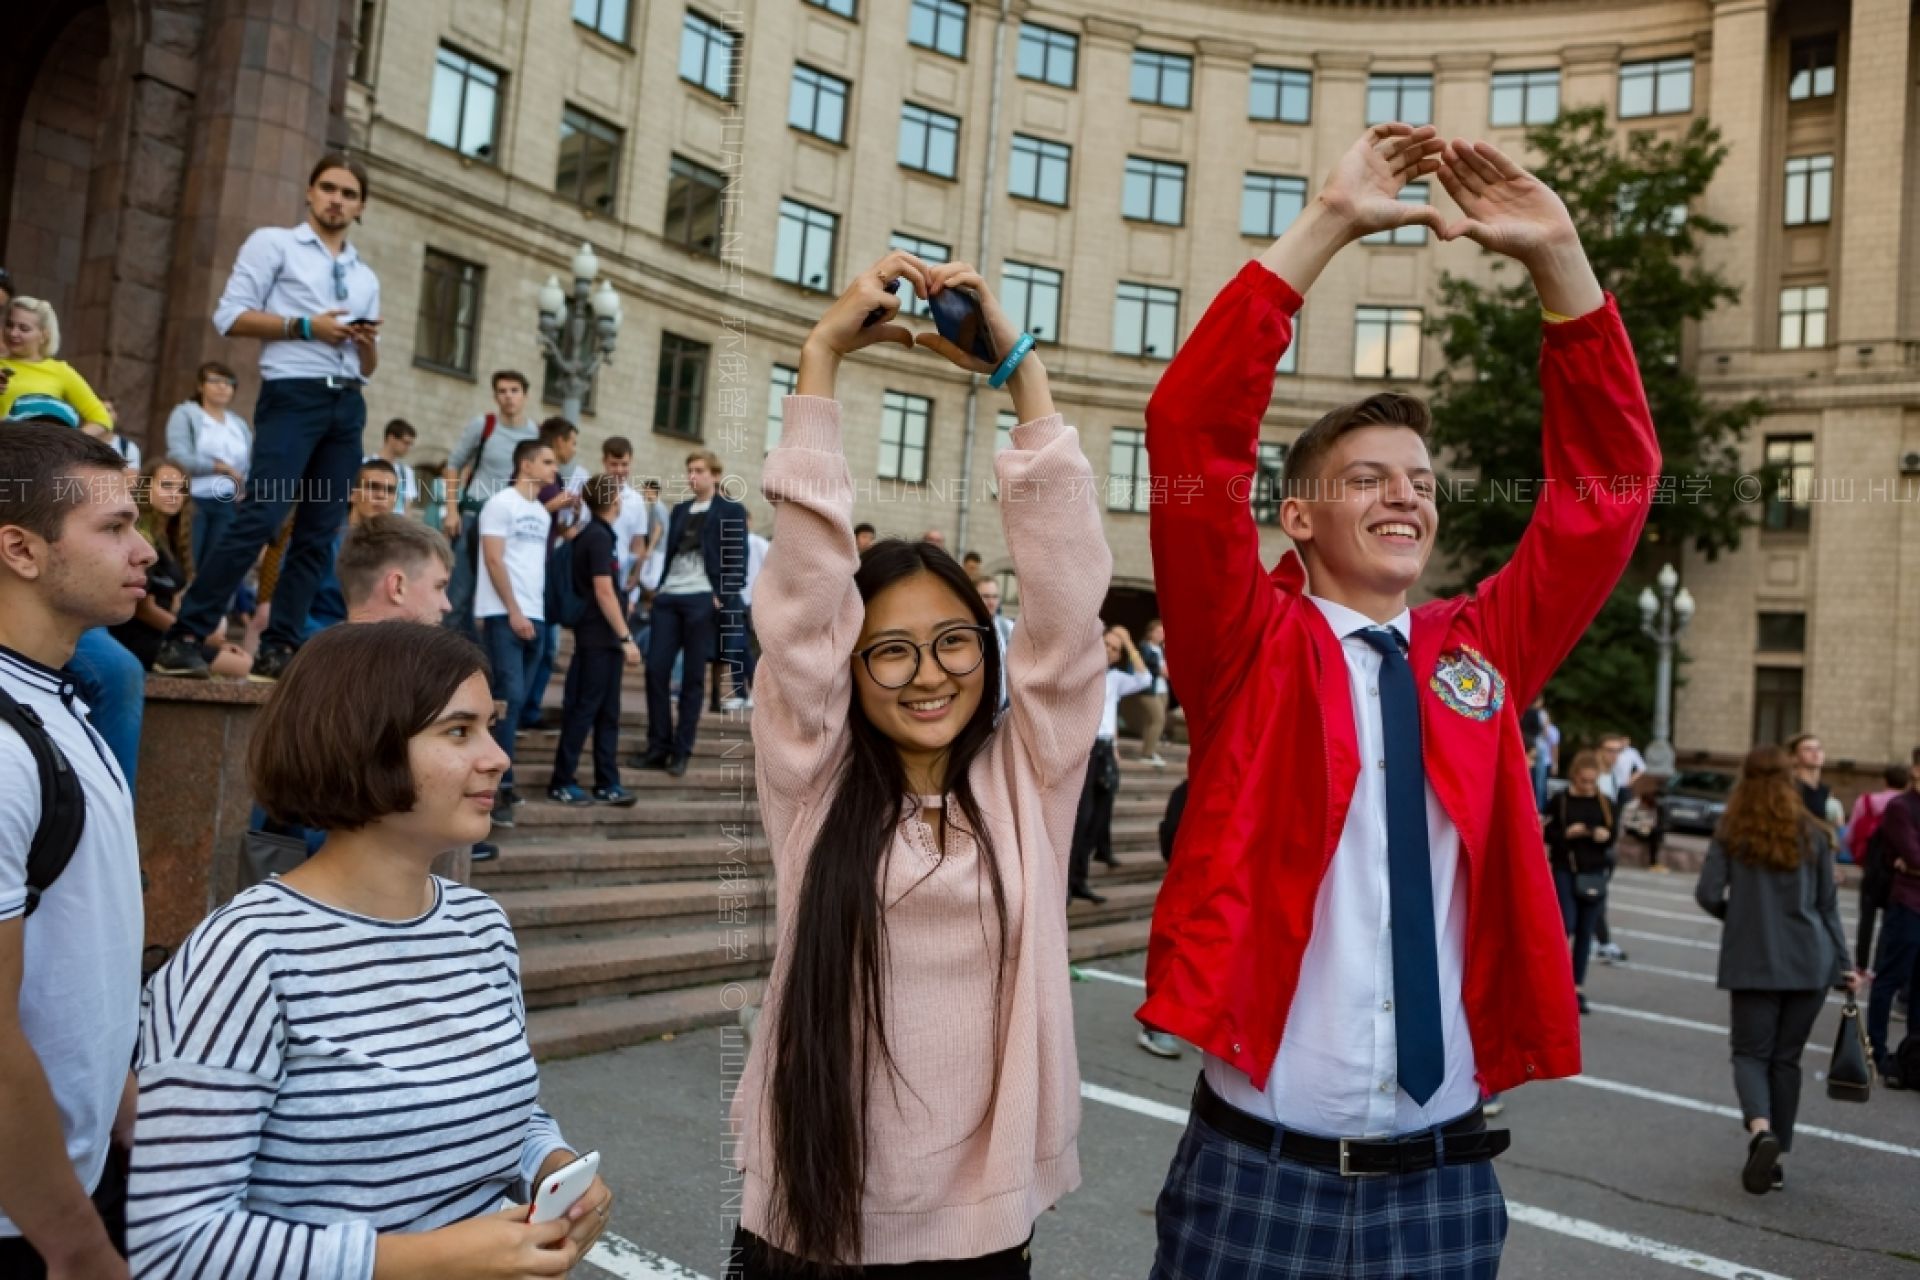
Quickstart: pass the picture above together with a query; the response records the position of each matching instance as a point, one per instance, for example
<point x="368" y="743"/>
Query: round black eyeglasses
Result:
<point x="894" y="664"/>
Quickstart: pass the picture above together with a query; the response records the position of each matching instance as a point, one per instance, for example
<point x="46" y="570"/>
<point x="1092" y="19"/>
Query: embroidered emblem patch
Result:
<point x="1468" y="683"/>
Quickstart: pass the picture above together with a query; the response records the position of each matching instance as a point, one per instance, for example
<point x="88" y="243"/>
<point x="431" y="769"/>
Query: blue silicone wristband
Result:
<point x="1012" y="362"/>
<point x="306" y="328"/>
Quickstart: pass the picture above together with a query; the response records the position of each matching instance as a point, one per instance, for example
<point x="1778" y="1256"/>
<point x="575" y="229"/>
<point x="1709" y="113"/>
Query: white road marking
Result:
<point x="1634" y="966"/>
<point x="1125" y="980"/>
<point x="1733" y="1113"/>
<point x="628" y="1261"/>
<point x="1664" y="1019"/>
<point x="1695" y="916"/>
<point x="1667" y="938"/>
<point x="1544" y="1219"/>
<point x="1847" y="915"/>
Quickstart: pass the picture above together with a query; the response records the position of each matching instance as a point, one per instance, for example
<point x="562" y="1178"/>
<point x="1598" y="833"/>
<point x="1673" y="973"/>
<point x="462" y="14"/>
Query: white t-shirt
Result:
<point x="687" y="571"/>
<point x="523" y="522"/>
<point x="756" y="556"/>
<point x="631" y="523"/>
<point x="80" y="981"/>
<point x="1626" y="764"/>
<point x="409" y="483"/>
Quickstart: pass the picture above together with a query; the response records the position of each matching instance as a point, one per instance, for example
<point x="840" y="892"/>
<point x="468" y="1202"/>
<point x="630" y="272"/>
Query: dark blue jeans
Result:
<point x="211" y="519"/>
<point x="512" y="660"/>
<point x="1579" y="915"/>
<point x="1895" y="967"/>
<point x="110" y="680"/>
<point x="736" y="647"/>
<point x="680" y="622"/>
<point x="306" y="449"/>
<point x="542" y="675"/>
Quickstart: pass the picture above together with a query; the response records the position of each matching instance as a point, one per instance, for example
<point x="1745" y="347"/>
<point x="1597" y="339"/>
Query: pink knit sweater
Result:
<point x="959" y="1163"/>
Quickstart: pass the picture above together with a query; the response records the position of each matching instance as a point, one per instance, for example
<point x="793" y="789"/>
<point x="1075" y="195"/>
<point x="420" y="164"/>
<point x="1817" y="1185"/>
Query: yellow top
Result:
<point x="54" y="378"/>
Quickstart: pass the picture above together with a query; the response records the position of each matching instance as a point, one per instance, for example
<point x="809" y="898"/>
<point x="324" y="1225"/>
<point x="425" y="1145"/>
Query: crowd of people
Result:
<point x="331" y="1076"/>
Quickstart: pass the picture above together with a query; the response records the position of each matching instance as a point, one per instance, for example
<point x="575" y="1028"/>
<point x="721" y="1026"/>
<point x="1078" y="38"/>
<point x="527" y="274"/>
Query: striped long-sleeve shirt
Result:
<point x="311" y="1078"/>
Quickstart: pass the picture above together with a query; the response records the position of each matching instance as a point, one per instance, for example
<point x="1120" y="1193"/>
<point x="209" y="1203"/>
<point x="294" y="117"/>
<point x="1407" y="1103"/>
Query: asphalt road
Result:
<point x="1630" y="1171"/>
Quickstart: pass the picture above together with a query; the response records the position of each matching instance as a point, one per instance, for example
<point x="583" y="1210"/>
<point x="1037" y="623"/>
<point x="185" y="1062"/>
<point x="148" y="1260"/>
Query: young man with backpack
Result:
<point x="481" y="465"/>
<point x="1868" y="810"/>
<point x="70" y="913"/>
<point x="1896" y="853"/>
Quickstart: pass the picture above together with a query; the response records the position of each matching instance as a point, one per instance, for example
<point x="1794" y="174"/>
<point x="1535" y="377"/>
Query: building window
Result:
<point x="708" y="54"/>
<point x="1415" y="233"/>
<point x="931" y="252"/>
<point x="1165" y="79"/>
<point x="465" y="111"/>
<point x="1030" y="296"/>
<point x="1127" y="477"/>
<point x="1280" y="93"/>
<point x="1155" y="191"/>
<point x="450" y="291"/>
<point x="1145" y="319"/>
<point x="1039" y="170"/>
<point x="845" y="8"/>
<point x="1790" y="505"/>
<point x="904" y="422"/>
<point x="1782" y="633"/>
<point x="818" y="103"/>
<point x="682" y="386"/>
<point x="1269" y="480"/>
<point x="1803" y="316"/>
<point x="1524" y="97"/>
<point x="779" y="387"/>
<point x="1386" y="342"/>
<point x="1812" y="73"/>
<point x="940" y="25"/>
<point x="589" y="173"/>
<point x="1408" y="99"/>
<point x="929" y="140"/>
<point x="1269" y="203"/>
<point x="608" y="17"/>
<point x="1049" y="56"/>
<point x="366" y="22"/>
<point x="695" y="203"/>
<point x="803" y="250"/>
<point x="1776" y="703"/>
<point x="1289" y="361"/>
<point x="1661" y="88"/>
<point x="1809" y="190"/>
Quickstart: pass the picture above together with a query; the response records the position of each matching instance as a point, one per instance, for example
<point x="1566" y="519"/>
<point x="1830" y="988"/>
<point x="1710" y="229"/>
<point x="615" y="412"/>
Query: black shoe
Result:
<point x="1763" y="1157"/>
<point x="484" y="852"/>
<point x="1085" y="894"/>
<point x="651" y="760"/>
<point x="572" y="795"/>
<point x="616" y="795"/>
<point x="502" y="813"/>
<point x="180" y="657"/>
<point x="1585" y="1008"/>
<point x="1112" y="864"/>
<point x="269" y="665"/>
<point x="1779" y="1177"/>
<point x="677" y="766"/>
<point x="509" y="798"/>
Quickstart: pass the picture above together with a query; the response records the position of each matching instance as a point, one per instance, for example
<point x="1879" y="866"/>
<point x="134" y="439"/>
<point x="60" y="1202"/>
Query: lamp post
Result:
<point x="1663" y="618"/>
<point x="575" y="346"/>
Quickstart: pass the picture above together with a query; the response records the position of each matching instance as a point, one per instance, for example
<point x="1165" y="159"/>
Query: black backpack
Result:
<point x="63" y="805"/>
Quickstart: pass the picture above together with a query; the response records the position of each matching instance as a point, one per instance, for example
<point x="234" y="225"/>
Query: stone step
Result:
<point x="542" y="819"/>
<point x="570" y="973"/>
<point x="572" y="1030"/>
<point x="533" y="770"/>
<point x="540" y="865"/>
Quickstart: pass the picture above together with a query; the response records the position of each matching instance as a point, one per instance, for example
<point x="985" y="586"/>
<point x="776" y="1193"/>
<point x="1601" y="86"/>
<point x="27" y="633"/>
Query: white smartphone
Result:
<point x="559" y="1189"/>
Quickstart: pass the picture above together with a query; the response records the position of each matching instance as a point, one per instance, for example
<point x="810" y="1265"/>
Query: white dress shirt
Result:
<point x="1336" y="1073"/>
<point x="1120" y="684"/>
<point x="286" y="271"/>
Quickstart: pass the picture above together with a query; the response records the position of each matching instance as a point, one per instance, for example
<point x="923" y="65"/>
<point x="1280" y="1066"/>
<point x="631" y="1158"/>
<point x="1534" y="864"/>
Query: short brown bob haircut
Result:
<point x="1386" y="409"/>
<point x="329" y="749"/>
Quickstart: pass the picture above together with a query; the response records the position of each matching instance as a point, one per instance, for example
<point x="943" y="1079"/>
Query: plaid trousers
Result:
<point x="1230" y="1211"/>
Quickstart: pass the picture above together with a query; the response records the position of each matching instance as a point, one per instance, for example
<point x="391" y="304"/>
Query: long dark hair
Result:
<point x="831" y="1017"/>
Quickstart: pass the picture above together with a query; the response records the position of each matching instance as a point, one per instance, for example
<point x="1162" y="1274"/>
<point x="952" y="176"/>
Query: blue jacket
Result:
<point x="723" y="541"/>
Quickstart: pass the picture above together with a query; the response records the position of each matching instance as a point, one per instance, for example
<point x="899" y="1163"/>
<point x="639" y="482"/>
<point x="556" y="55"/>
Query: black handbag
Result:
<point x="265" y="854"/>
<point x="1849" y="1078"/>
<point x="1589" y="886"/>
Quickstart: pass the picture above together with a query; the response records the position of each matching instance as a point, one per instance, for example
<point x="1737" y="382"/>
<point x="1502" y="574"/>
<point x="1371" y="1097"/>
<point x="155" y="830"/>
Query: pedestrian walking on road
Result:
<point x="911" y="1098"/>
<point x="1896" y="965"/>
<point x="1768" y="875"/>
<point x="1335" y="1046"/>
<point x="1580" y="834"/>
<point x="1868" y="811"/>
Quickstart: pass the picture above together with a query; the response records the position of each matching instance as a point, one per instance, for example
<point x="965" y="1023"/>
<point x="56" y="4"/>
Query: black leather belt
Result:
<point x="1465" y="1141"/>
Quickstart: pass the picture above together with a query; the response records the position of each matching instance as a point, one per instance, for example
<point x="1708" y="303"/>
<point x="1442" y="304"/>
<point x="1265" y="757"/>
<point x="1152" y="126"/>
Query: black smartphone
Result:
<point x="878" y="314"/>
<point x="957" y="315"/>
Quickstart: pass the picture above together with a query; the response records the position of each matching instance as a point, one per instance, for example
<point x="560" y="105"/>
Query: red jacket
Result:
<point x="1261" y="674"/>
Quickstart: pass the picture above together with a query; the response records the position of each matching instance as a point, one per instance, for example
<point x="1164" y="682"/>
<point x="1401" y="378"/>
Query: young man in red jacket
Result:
<point x="1359" y="929"/>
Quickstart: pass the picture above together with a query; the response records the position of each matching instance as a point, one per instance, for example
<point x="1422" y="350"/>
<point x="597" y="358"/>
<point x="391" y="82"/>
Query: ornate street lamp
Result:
<point x="577" y="333"/>
<point x="1663" y="618"/>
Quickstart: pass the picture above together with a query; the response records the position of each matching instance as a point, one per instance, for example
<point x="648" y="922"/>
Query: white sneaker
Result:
<point x="1159" y="1044"/>
<point x="733" y="704"/>
<point x="1492" y="1107"/>
<point x="1154" y="760"/>
<point x="1610" y="954"/>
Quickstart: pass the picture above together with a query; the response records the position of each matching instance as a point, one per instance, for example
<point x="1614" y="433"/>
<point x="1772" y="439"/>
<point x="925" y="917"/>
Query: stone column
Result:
<point x="1736" y="100"/>
<point x="1876" y="159"/>
<point x="267" y="108"/>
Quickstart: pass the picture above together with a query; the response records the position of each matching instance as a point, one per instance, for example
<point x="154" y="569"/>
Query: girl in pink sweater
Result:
<point x="913" y="1095"/>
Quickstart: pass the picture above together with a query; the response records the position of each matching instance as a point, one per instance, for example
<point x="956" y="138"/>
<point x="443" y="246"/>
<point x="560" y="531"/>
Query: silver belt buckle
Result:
<point x="1346" y="1171"/>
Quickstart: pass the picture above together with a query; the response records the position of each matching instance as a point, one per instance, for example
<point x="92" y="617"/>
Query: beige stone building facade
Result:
<point x="1109" y="166"/>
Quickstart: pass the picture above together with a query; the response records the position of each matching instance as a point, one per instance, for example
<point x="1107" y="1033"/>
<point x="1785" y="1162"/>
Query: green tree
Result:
<point x="1635" y="207"/>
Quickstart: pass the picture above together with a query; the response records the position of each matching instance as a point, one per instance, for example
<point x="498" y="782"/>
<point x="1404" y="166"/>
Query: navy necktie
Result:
<point x="1416" y="965"/>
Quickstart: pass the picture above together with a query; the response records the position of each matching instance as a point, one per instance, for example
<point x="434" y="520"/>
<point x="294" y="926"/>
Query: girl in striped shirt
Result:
<point x="334" y="1076"/>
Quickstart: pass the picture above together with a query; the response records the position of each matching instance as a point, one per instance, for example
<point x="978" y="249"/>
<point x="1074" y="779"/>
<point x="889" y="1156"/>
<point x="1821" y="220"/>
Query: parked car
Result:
<point x="1694" y="799"/>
